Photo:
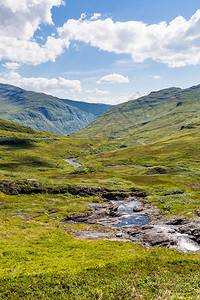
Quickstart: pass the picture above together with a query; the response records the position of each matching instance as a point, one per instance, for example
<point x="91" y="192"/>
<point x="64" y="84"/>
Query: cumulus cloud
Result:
<point x="176" y="44"/>
<point x="98" y="92"/>
<point x="41" y="84"/>
<point x="30" y="52"/>
<point x="113" y="78"/>
<point x="19" y="20"/>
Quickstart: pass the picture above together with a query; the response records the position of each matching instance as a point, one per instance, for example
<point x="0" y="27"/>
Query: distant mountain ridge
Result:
<point x="150" y="117"/>
<point x="44" y="112"/>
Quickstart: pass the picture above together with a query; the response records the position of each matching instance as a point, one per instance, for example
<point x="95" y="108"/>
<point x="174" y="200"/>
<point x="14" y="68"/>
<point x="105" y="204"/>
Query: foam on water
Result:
<point x="186" y="244"/>
<point x="128" y="216"/>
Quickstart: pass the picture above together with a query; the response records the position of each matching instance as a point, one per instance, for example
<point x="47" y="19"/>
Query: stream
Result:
<point x="155" y="234"/>
<point x="184" y="242"/>
<point x="131" y="220"/>
<point x="128" y="216"/>
<point x="73" y="163"/>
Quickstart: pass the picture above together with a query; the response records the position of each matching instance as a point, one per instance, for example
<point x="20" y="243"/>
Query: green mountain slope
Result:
<point x="150" y="117"/>
<point x="45" y="112"/>
<point x="14" y="127"/>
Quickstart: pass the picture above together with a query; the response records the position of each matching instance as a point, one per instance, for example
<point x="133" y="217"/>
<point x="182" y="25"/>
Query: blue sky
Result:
<point x="99" y="50"/>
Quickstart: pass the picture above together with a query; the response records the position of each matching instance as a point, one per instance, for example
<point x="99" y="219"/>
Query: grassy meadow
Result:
<point x="39" y="255"/>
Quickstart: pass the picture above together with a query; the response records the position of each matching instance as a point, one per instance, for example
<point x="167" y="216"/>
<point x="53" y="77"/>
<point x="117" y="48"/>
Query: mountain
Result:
<point x="44" y="112"/>
<point x="151" y="117"/>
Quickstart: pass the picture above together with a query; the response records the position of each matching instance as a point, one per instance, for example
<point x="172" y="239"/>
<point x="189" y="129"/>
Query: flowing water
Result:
<point x="72" y="163"/>
<point x="184" y="242"/>
<point x="128" y="216"/>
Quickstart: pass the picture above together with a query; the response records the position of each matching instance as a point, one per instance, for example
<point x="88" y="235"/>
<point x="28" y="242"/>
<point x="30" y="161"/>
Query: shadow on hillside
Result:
<point x="17" y="142"/>
<point x="9" y="166"/>
<point x="27" y="161"/>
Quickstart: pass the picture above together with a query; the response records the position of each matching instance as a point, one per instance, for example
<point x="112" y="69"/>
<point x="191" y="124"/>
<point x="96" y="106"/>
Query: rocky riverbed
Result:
<point x="131" y="220"/>
<point x="121" y="216"/>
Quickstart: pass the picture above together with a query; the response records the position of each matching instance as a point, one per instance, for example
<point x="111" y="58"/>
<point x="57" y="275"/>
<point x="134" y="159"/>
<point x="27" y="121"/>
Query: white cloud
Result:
<point x="135" y="95"/>
<point x="98" y="92"/>
<point x="95" y="16"/>
<point x="112" y="100"/>
<point x="23" y="51"/>
<point x="104" y="100"/>
<point x="113" y="78"/>
<point x="176" y="44"/>
<point x="41" y="84"/>
<point x="19" y="20"/>
<point x="155" y="77"/>
<point x="11" y="66"/>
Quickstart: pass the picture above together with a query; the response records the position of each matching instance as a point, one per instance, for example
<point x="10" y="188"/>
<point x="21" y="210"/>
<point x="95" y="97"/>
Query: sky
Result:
<point x="99" y="51"/>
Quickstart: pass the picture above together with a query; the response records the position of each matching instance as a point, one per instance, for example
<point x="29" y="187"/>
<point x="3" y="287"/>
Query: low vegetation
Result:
<point x="40" y="256"/>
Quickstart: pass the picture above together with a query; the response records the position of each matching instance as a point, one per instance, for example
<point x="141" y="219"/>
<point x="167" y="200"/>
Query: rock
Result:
<point x="170" y="232"/>
<point x="139" y="194"/>
<point x="134" y="230"/>
<point x="9" y="187"/>
<point x="6" y="182"/>
<point x="175" y="220"/>
<point x="153" y="212"/>
<point x="160" y="239"/>
<point x="138" y="208"/>
<point x="197" y="212"/>
<point x="102" y="214"/>
<point x="33" y="182"/>
<point x="119" y="234"/>
<point x="23" y="217"/>
<point x="115" y="196"/>
<point x="94" y="190"/>
<point x="32" y="186"/>
<point x="76" y="218"/>
<point x="84" y="191"/>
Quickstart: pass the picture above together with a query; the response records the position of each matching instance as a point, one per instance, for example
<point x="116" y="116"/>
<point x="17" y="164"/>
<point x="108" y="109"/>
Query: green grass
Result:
<point x="39" y="255"/>
<point x="40" y="259"/>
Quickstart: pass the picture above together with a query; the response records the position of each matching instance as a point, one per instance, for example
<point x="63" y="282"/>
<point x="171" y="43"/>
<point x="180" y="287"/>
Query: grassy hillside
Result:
<point x="45" y="112"/>
<point x="149" y="118"/>
<point x="40" y="257"/>
<point x="14" y="127"/>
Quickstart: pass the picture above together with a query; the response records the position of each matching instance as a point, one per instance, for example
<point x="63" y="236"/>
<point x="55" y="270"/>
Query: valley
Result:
<point x="99" y="150"/>
<point x="45" y="112"/>
<point x="61" y="233"/>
